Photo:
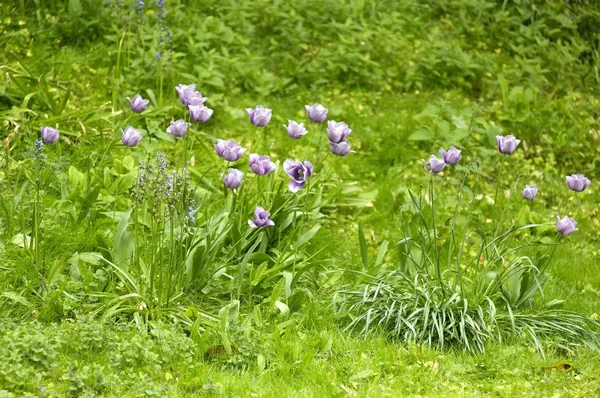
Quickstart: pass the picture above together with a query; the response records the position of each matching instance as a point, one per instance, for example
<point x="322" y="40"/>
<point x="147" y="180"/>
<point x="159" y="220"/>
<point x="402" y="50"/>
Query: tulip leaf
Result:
<point x="307" y="236"/>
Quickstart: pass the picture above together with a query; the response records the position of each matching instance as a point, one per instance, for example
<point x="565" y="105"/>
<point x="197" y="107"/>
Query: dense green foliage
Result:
<point x="247" y="312"/>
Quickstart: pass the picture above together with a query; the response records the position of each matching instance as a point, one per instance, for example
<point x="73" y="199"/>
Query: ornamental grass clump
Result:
<point x="466" y="284"/>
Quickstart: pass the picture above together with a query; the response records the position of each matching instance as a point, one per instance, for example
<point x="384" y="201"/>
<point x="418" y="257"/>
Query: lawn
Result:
<point x="147" y="250"/>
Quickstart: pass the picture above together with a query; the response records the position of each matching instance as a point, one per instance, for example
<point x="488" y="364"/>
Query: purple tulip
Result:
<point x="530" y="192"/>
<point x="260" y="116"/>
<point x="316" y="113"/>
<point x="508" y="144"/>
<point x="193" y="98"/>
<point x="130" y="136"/>
<point x="340" y="148"/>
<point x="178" y="128"/>
<point x="452" y="156"/>
<point x="229" y="150"/>
<point x="299" y="172"/>
<point x="233" y="179"/>
<point x="337" y="132"/>
<point x="200" y="113"/>
<point x="295" y="130"/>
<point x="138" y="104"/>
<point x="49" y="135"/>
<point x="566" y="226"/>
<point x="434" y="165"/>
<point x="261" y="218"/>
<point x="577" y="182"/>
<point x="261" y="165"/>
<point x="184" y="90"/>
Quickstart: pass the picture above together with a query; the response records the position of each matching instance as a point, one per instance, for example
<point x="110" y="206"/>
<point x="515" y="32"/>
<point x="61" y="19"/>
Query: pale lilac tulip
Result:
<point x="233" y="179"/>
<point x="261" y="165"/>
<point x="138" y="104"/>
<point x="566" y="226"/>
<point x="508" y="144"/>
<point x="299" y="172"/>
<point x="200" y="113"/>
<point x="452" y="156"/>
<point x="49" y="135"/>
<point x="340" y="148"/>
<point x="184" y="90"/>
<point x="130" y="136"/>
<point x="434" y="165"/>
<point x="316" y="113"/>
<point x="295" y="130"/>
<point x="259" y="116"/>
<point x="337" y="132"/>
<point x="530" y="192"/>
<point x="178" y="128"/>
<point x="229" y="150"/>
<point x="577" y="182"/>
<point x="261" y="218"/>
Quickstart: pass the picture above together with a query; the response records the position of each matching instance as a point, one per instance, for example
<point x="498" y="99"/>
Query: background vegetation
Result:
<point x="408" y="77"/>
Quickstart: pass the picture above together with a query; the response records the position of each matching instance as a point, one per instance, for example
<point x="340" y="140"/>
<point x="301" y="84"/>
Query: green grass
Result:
<point x="426" y="68"/>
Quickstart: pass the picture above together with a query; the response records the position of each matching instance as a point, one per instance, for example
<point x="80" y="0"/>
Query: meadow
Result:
<point x="248" y="198"/>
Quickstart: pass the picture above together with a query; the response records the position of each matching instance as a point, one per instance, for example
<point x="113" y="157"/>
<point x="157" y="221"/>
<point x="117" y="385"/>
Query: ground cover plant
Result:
<point x="240" y="198"/>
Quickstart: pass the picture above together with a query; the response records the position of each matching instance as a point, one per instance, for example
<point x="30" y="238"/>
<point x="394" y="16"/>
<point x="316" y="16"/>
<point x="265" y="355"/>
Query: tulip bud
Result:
<point x="295" y="130"/>
<point x="530" y="192"/>
<point x="434" y="165"/>
<point x="340" y="148"/>
<point x="260" y="116"/>
<point x="138" y="104"/>
<point x="261" y="165"/>
<point x="452" y="156"/>
<point x="316" y="113"/>
<point x="178" y="128"/>
<point x="566" y="226"/>
<point x="337" y="132"/>
<point x="233" y="179"/>
<point x="577" y="182"/>
<point x="49" y="135"/>
<point x="261" y="218"/>
<point x="229" y="150"/>
<point x="200" y="113"/>
<point x="508" y="144"/>
<point x="130" y="136"/>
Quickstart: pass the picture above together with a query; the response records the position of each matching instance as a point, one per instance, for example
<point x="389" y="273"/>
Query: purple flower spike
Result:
<point x="340" y="148"/>
<point x="577" y="182"/>
<point x="184" y="90"/>
<point x="178" y="128"/>
<point x="200" y="113"/>
<point x="261" y="165"/>
<point x="508" y="144"/>
<point x="337" y="132"/>
<point x="138" y="104"/>
<point x="298" y="172"/>
<point x="434" y="165"/>
<point x="229" y="150"/>
<point x="566" y="226"/>
<point x="316" y="113"/>
<point x="530" y="192"/>
<point x="295" y="130"/>
<point x="233" y="179"/>
<point x="259" y="116"/>
<point x="452" y="156"/>
<point x="49" y="135"/>
<point x="130" y="136"/>
<point x="261" y="218"/>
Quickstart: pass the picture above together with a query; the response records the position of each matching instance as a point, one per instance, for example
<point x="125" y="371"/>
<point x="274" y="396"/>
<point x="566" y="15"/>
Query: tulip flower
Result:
<point x="261" y="218"/>
<point x="577" y="182"/>
<point x="200" y="113"/>
<point x="193" y="98"/>
<point x="337" y="132"/>
<point x="233" y="179"/>
<point x="138" y="104"/>
<point x="566" y="226"/>
<point x="340" y="148"/>
<point x="130" y="136"/>
<point x="316" y="113"/>
<point x="260" y="116"/>
<point x="295" y="130"/>
<point x="184" y="90"/>
<point x="298" y="172"/>
<point x="261" y="165"/>
<point x="530" y="192"/>
<point x="49" y="135"/>
<point x="178" y="128"/>
<point x="434" y="165"/>
<point x="508" y="144"/>
<point x="229" y="150"/>
<point x="452" y="156"/>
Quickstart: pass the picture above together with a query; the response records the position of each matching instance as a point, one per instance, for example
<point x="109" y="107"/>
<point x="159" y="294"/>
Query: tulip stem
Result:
<point x="435" y="243"/>
<point x="500" y="171"/>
